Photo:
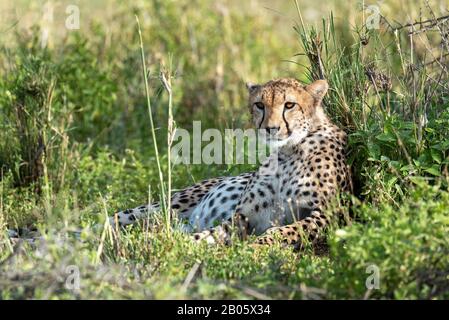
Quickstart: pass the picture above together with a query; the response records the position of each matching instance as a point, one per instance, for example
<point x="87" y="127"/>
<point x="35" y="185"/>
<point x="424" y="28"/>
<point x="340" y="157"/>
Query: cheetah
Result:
<point x="285" y="199"/>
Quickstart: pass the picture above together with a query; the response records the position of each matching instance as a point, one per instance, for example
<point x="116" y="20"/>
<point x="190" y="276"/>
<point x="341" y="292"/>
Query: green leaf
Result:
<point x="395" y="164"/>
<point x="392" y="181"/>
<point x="434" y="170"/>
<point x="385" y="137"/>
<point x="417" y="162"/>
<point x="436" y="155"/>
<point x="374" y="151"/>
<point x="442" y="146"/>
<point x="408" y="167"/>
<point x="420" y="181"/>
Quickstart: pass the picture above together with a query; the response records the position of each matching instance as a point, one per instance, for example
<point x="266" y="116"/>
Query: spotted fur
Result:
<point x="184" y="202"/>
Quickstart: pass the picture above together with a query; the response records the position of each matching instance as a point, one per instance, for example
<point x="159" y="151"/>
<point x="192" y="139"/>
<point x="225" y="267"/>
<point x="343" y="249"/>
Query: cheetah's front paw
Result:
<point x="213" y="236"/>
<point x="204" y="236"/>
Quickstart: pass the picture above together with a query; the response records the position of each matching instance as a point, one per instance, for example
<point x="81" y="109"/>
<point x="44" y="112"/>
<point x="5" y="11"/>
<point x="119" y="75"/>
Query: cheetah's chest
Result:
<point x="273" y="197"/>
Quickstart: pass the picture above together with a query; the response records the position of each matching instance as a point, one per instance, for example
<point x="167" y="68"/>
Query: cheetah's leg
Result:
<point x="183" y="202"/>
<point x="294" y="233"/>
<point x="222" y="234"/>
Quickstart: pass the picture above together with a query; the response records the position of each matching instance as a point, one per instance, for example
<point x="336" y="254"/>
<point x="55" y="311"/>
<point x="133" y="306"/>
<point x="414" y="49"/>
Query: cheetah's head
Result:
<point x="285" y="108"/>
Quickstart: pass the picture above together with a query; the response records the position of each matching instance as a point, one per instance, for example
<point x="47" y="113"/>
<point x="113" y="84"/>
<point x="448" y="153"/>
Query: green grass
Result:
<point x="77" y="144"/>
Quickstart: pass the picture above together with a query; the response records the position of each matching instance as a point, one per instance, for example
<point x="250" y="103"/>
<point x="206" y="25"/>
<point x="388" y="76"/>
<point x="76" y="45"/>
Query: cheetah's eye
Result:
<point x="259" y="105"/>
<point x="289" y="105"/>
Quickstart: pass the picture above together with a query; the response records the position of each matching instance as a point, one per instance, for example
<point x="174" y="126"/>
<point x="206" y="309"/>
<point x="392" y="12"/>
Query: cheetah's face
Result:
<point x="284" y="107"/>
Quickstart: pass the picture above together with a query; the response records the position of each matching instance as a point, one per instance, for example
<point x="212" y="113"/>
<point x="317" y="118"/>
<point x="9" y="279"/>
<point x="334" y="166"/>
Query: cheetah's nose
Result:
<point x="272" y="130"/>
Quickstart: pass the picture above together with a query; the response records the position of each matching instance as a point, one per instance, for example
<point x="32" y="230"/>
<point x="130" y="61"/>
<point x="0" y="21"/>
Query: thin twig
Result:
<point x="150" y="113"/>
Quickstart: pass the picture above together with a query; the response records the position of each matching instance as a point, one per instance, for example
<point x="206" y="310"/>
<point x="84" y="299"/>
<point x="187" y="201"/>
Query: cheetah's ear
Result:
<point x="251" y="86"/>
<point x="318" y="88"/>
